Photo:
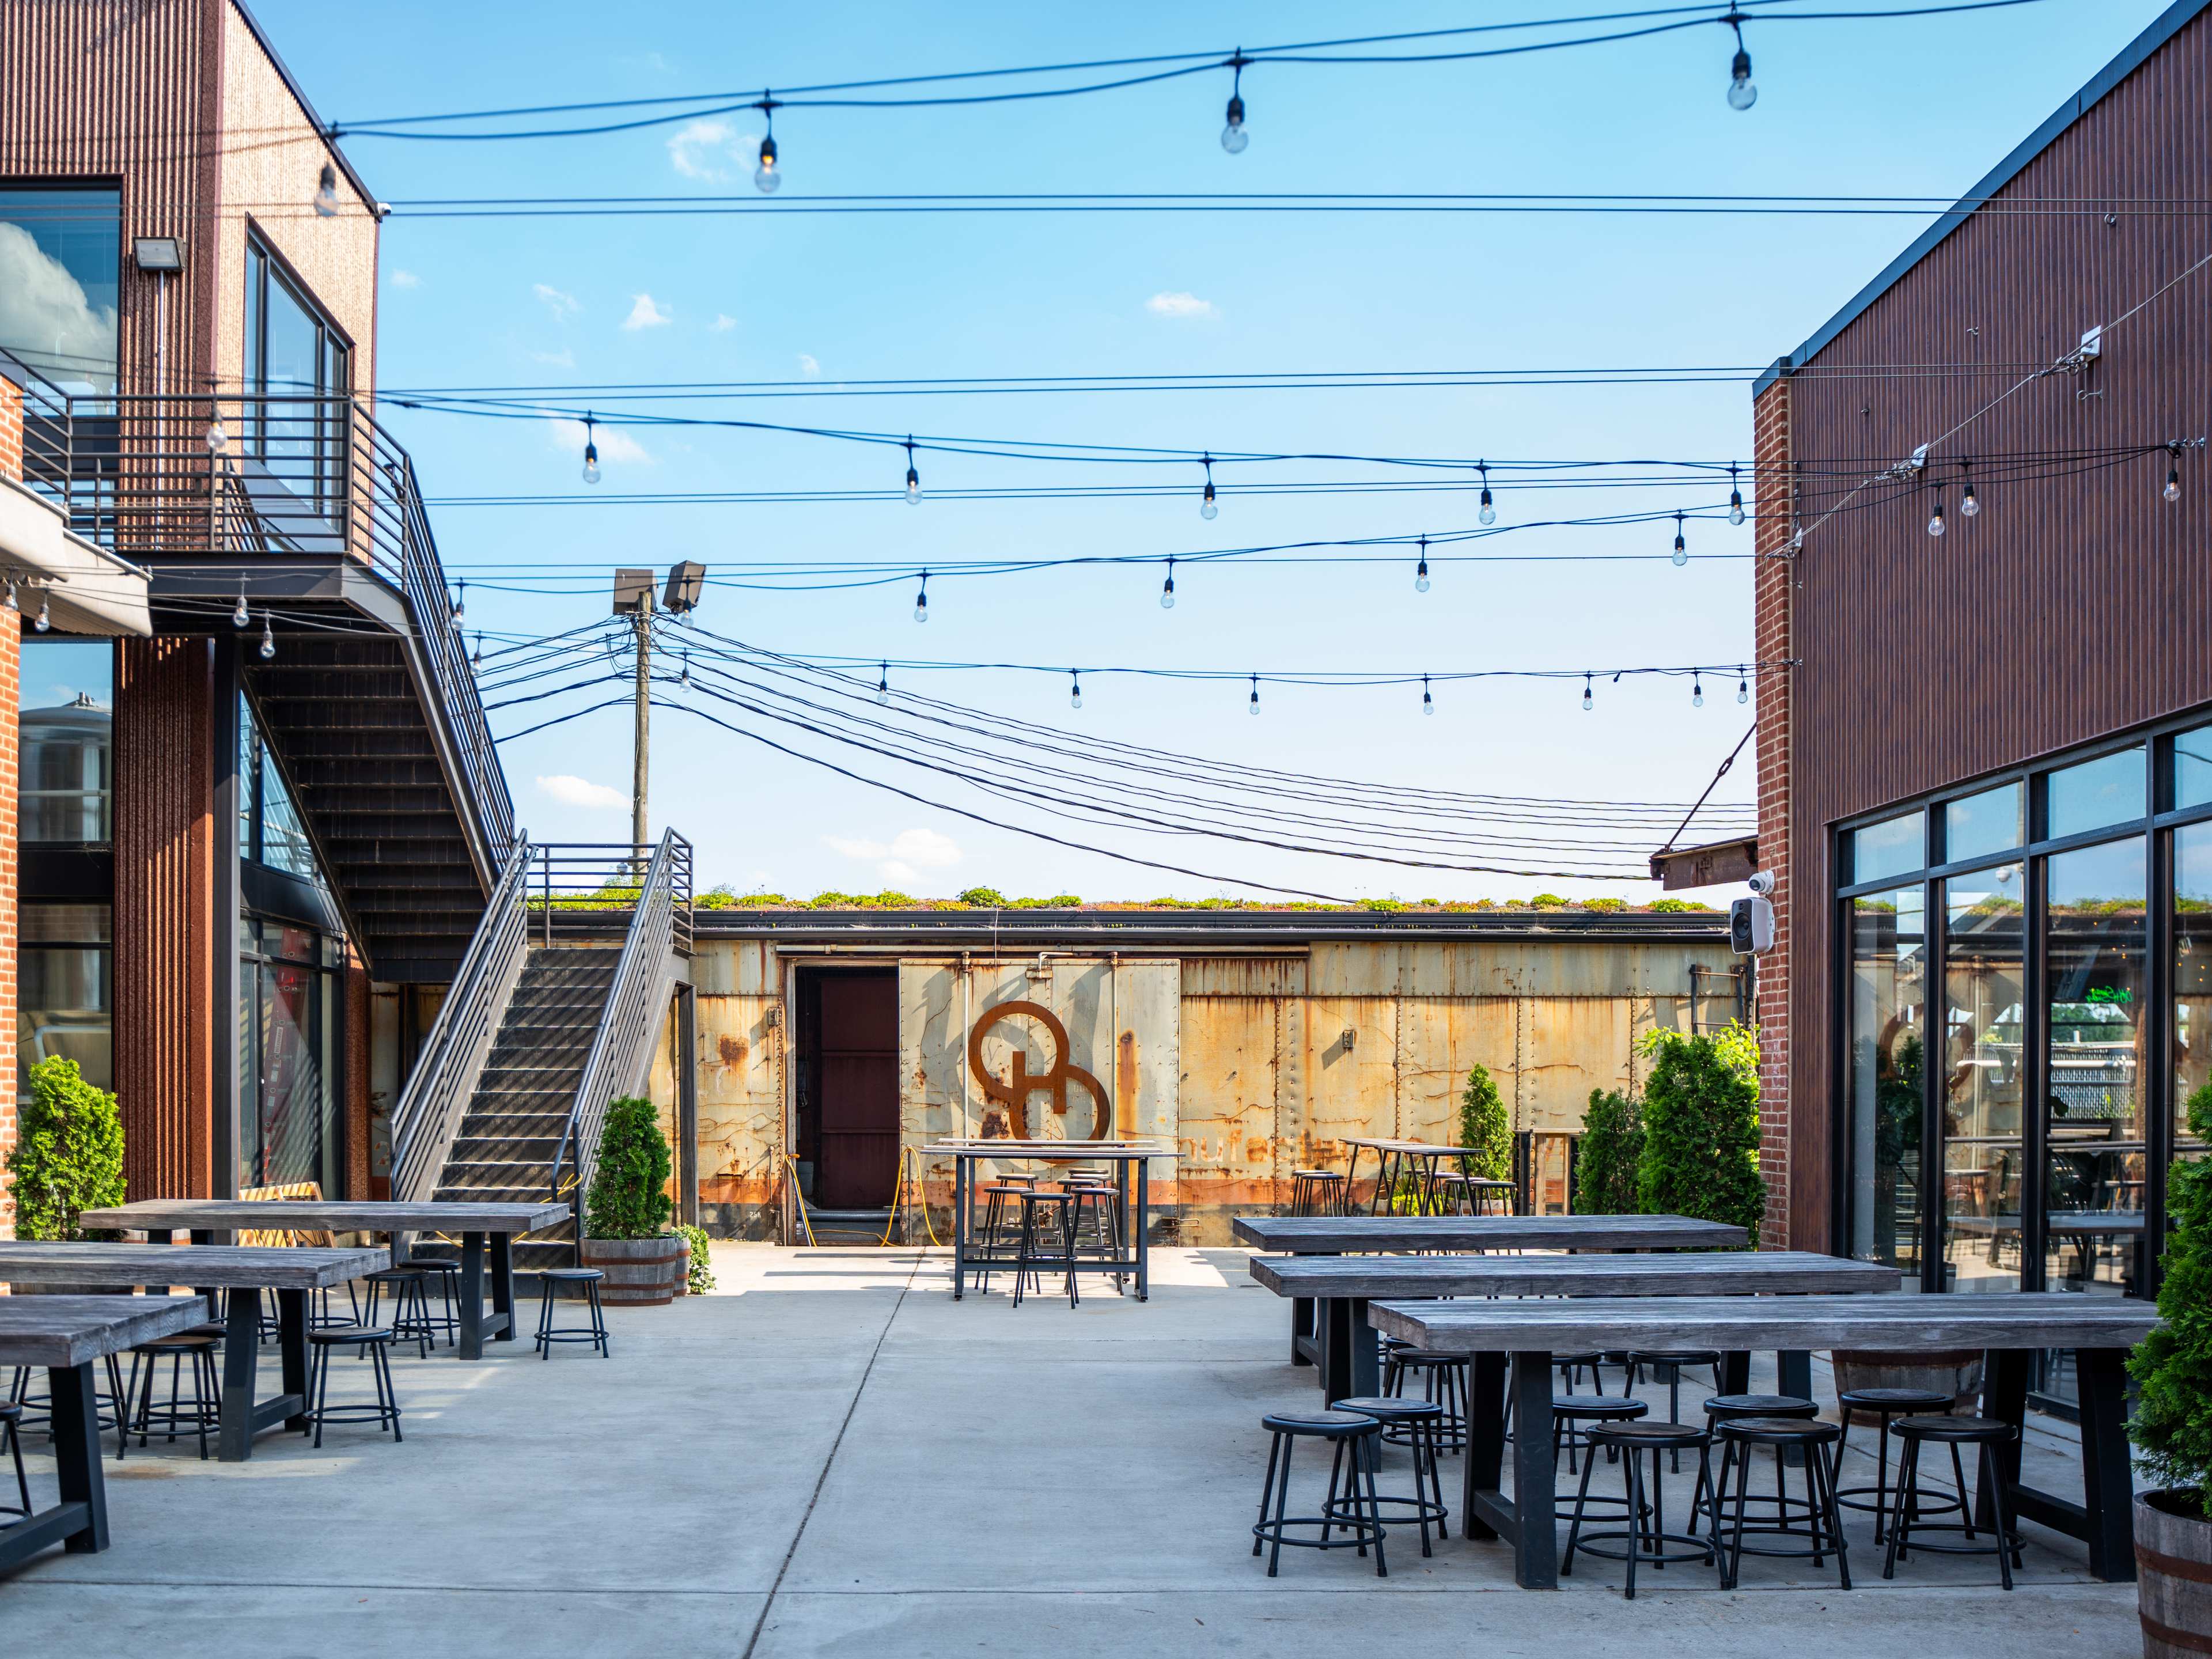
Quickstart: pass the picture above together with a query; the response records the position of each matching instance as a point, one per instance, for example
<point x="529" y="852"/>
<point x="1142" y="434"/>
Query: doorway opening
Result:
<point x="846" y="1085"/>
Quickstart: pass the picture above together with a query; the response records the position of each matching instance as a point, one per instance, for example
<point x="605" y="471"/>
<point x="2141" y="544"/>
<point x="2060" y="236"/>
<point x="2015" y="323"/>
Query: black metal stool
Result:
<point x="1671" y="1361"/>
<point x="411" y="1306"/>
<point x="1444" y="1384"/>
<point x="196" y="1416"/>
<point x="34" y="1410"/>
<point x="999" y="1202"/>
<point x="1420" y="1422"/>
<point x="1640" y="1542"/>
<point x="1729" y="1407"/>
<point x="1570" y="1412"/>
<point x="1317" y="1191"/>
<point x="1055" y="1210"/>
<point x="1097" y="1202"/>
<point x="1825" y="1522"/>
<point x="1906" y="1525"/>
<point x="1883" y="1403"/>
<point x="1363" y="1433"/>
<point x="595" y="1333"/>
<point x="11" y="1431"/>
<point x="374" y="1340"/>
<point x="448" y="1277"/>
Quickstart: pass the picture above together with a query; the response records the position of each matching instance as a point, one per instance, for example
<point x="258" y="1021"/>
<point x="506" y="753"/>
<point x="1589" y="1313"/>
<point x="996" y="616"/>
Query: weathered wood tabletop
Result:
<point x="1348" y="1234"/>
<point x="210" y="1266"/>
<point x="62" y="1331"/>
<point x="325" y="1215"/>
<point x="1686" y="1274"/>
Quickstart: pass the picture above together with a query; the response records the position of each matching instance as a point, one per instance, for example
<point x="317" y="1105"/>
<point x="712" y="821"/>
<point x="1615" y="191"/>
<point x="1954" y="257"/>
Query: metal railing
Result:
<point x="637" y="1001"/>
<point x="589" y="889"/>
<point x="290" y="474"/>
<point x="428" y="1113"/>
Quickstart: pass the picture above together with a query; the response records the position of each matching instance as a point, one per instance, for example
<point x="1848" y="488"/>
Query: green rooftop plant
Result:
<point x="1605" y="905"/>
<point x="1667" y="907"/>
<point x="2172" y="1366"/>
<point x="629" y="1192"/>
<point x="1548" y="902"/>
<point x="1701" y="1128"/>
<point x="984" y="898"/>
<point x="68" y="1152"/>
<point x="1484" y="1127"/>
<point x="1608" y="1154"/>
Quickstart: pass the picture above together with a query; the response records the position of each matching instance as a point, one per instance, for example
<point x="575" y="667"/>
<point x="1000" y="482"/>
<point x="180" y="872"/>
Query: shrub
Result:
<point x="1701" y="1128"/>
<point x="68" y="1152"/>
<point x="701" y="1278"/>
<point x="984" y="898"/>
<point x="1547" y="902"/>
<point x="1606" y="1159"/>
<point x="1382" y="904"/>
<point x="1065" y="902"/>
<point x="1667" y="907"/>
<point x="2172" y="1366"/>
<point x="629" y="1192"/>
<point x="1605" y="906"/>
<point x="1484" y="1127"/>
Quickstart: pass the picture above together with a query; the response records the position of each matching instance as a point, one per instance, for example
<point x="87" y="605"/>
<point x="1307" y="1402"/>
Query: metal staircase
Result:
<point x="557" y="1010"/>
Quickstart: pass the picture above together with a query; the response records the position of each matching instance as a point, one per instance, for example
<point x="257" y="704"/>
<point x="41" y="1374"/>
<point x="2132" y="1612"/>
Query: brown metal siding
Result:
<point x="164" y="932"/>
<point x="2073" y="606"/>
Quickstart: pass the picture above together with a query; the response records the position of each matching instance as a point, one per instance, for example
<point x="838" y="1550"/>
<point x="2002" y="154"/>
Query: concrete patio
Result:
<point x="830" y="1456"/>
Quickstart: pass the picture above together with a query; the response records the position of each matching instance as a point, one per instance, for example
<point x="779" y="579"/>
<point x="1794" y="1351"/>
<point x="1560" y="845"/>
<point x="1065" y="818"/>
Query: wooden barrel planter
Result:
<point x="2174" y="1569"/>
<point x="640" y="1273"/>
<point x="1958" y="1373"/>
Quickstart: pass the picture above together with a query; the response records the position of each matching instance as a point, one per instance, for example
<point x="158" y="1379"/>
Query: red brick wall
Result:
<point x="11" y="649"/>
<point x="1773" y="586"/>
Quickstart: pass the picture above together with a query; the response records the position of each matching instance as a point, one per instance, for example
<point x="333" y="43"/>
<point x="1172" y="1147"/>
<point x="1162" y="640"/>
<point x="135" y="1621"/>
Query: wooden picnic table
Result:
<point x="242" y="1272"/>
<point x="203" y="1218"/>
<point x="1340" y="1287"/>
<point x="1136" y="1205"/>
<point x="2012" y="1327"/>
<point x="66" y="1334"/>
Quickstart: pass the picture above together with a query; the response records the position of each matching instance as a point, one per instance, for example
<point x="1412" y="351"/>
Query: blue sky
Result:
<point x="1917" y="106"/>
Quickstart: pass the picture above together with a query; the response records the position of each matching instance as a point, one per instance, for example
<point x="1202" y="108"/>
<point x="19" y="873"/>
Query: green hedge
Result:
<point x="68" y="1152"/>
<point x="1484" y="1126"/>
<point x="1701" y="1128"/>
<point x="2172" y="1366"/>
<point x="1606" y="1161"/>
<point x="629" y="1192"/>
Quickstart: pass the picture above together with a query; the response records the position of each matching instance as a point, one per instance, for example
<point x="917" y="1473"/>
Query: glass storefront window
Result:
<point x="289" y="1072"/>
<point x="2095" y="950"/>
<point x="1892" y="848"/>
<point x="65" y="1001"/>
<point x="1981" y="1090"/>
<point x="1994" y="821"/>
<point x="61" y="261"/>
<point x="2192" y="978"/>
<point x="2095" y="794"/>
<point x="1888" y="989"/>
<point x="2192" y="767"/>
<point x="65" y="719"/>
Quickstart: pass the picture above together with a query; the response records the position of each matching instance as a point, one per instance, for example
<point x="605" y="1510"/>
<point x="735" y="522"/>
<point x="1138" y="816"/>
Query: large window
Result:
<point x="1889" y="1063"/>
<point x="1983" y="1130"/>
<point x="65" y="998"/>
<point x="288" y="1074"/>
<point x="61" y="259"/>
<point x="2191" y="1017"/>
<point x="65" y="714"/>
<point x="297" y="373"/>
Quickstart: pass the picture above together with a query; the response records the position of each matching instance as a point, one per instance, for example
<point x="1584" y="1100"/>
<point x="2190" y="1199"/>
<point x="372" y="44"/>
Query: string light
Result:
<point x="683" y="679"/>
<point x="1697" y="692"/>
<point x="1681" y="550"/>
<point x="45" y="619"/>
<point x="1207" y="506"/>
<point x="1488" y="510"/>
<point x="268" y="639"/>
<point x="1936" y="518"/>
<point x="884" y="685"/>
<point x="2172" y="490"/>
<point x="1167" y="589"/>
<point x="461" y="603"/>
<point x="1741" y="94"/>
<point x="921" y="600"/>
<point x="1968" y="506"/>
<point x="239" y="617"/>
<point x="1254" y="705"/>
<point x="590" y="452"/>
<point x="766" y="178"/>
<point x="13" y="604"/>
<point x="476" y="661"/>
<point x="1743" y="690"/>
<point x="1233" y="135"/>
<point x="1074" y="689"/>
<point x="912" y="477"/>
<point x="326" y="193"/>
<point x="1421" y="570"/>
<point x="1589" y="701"/>
<point x="1735" y="497"/>
<point x="217" y="438"/>
<point x="1428" y="702"/>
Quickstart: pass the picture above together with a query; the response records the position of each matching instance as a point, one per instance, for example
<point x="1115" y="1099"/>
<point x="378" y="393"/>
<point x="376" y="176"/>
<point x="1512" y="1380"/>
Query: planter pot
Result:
<point x="640" y="1273"/>
<point x="1958" y="1373"/>
<point x="2174" y="1567"/>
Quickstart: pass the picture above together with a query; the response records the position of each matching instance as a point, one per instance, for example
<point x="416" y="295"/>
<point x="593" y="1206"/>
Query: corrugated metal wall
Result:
<point x="2073" y="606"/>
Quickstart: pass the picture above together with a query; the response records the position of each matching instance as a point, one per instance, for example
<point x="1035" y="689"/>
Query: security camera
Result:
<point x="1762" y="881"/>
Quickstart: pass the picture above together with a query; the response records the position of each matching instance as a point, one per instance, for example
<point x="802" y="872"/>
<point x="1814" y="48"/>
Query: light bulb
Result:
<point x="765" y="177"/>
<point x="326" y="193"/>
<point x="1743" y="691"/>
<point x="591" y="463"/>
<point x="45" y="619"/>
<point x="1741" y="94"/>
<point x="921" y="600"/>
<point x="1167" y="589"/>
<point x="217" y="438"/>
<point x="461" y="603"/>
<point x="1736" y="498"/>
<point x="1589" y="702"/>
<point x="884" y="687"/>
<point x="684" y="678"/>
<point x="1967" y="505"/>
<point x="2172" y="490"/>
<point x="1253" y="707"/>
<point x="1207" y="506"/>
<point x="1428" y="702"/>
<point x="13" y="604"/>
<point x="239" y="617"/>
<point x="1233" y="135"/>
<point x="1681" y="550"/>
<point x="1697" y="693"/>
<point x="1074" y="691"/>
<point x="1935" y="519"/>
<point x="268" y="639"/>
<point x="912" y="477"/>
<point x="476" y="661"/>
<point x="1421" y="577"/>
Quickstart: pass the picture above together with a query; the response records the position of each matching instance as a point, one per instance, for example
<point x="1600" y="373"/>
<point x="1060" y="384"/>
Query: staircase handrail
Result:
<point x="661" y="918"/>
<point x="429" y="1112"/>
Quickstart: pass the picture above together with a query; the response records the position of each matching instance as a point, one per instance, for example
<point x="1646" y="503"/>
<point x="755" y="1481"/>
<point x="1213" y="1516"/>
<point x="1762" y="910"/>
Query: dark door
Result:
<point x="859" y="1091"/>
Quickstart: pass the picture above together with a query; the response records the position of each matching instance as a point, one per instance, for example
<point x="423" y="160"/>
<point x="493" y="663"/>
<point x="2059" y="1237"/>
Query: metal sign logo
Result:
<point x="1014" y="1093"/>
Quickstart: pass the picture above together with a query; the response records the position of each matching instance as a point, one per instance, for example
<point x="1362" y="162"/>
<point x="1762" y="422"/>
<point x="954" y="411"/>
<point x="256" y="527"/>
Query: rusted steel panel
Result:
<point x="1225" y="1136"/>
<point x="1575" y="1044"/>
<point x="1244" y="976"/>
<point x="1507" y="968"/>
<point x="1439" y="1042"/>
<point x="741" y="1072"/>
<point x="1350" y="1064"/>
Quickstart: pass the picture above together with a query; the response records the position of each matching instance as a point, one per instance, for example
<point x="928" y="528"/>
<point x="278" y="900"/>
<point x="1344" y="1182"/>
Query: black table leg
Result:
<point x="1485" y="1441"/>
<point x="1365" y="1380"/>
<point x="1335" y="1348"/>
<point x="473" y="1295"/>
<point x="1536" y="1547"/>
<point x="2004" y="1396"/>
<point x="1793" y="1375"/>
<point x="502" y="1287"/>
<point x="75" y="1424"/>
<point x="1144" y="1230"/>
<point x="292" y="1349"/>
<point x="2107" y="1488"/>
<point x="242" y="1353"/>
<point x="1302" y="1328"/>
<point x="1736" y="1372"/>
<point x="961" y="1167"/>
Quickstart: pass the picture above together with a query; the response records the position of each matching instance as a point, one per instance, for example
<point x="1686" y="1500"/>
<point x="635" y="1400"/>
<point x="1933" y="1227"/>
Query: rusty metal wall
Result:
<point x="1248" y="1066"/>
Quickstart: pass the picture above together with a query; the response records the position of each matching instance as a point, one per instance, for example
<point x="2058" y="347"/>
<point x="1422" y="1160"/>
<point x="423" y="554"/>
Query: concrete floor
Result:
<point x="830" y="1456"/>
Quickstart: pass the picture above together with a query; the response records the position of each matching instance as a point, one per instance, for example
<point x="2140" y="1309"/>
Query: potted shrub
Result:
<point x="68" y="1159"/>
<point x="626" y="1233"/>
<point x="2173" y="1423"/>
<point x="1700" y="1154"/>
<point x="1484" y="1127"/>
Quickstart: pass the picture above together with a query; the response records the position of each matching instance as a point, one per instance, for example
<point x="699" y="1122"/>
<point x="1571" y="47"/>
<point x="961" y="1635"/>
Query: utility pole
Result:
<point x="634" y="599"/>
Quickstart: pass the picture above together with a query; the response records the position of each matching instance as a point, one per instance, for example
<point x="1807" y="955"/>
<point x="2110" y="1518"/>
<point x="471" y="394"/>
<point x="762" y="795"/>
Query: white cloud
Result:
<point x="406" y="279"/>
<point x="43" y="310"/>
<point x="902" y="860"/>
<point x="567" y="437"/>
<point x="644" y="313"/>
<point x="724" y="323"/>
<point x="580" y="792"/>
<point x="1182" y="305"/>
<point x="559" y="304"/>
<point x="708" y="149"/>
<point x="896" y="870"/>
<point x="809" y="368"/>
<point x="563" y="358"/>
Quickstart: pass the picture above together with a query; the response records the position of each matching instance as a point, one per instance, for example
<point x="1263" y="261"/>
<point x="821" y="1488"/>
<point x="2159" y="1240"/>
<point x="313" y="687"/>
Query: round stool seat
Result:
<point x="9" y="1412"/>
<point x="1674" y="1356"/>
<point x="1598" y="1407"/>
<point x="431" y="1264"/>
<point x="1896" y="1400"/>
<point x="573" y="1275"/>
<point x="1331" y="1423"/>
<point x="1317" y="1175"/>
<point x="1419" y="1357"/>
<point x="1389" y="1408"/>
<point x="1761" y="1405"/>
<point x="1959" y="1430"/>
<point x="1779" y="1431"/>
<point x="388" y="1275"/>
<point x="348" y="1336"/>
<point x="180" y="1341"/>
<point x="1658" y="1436"/>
